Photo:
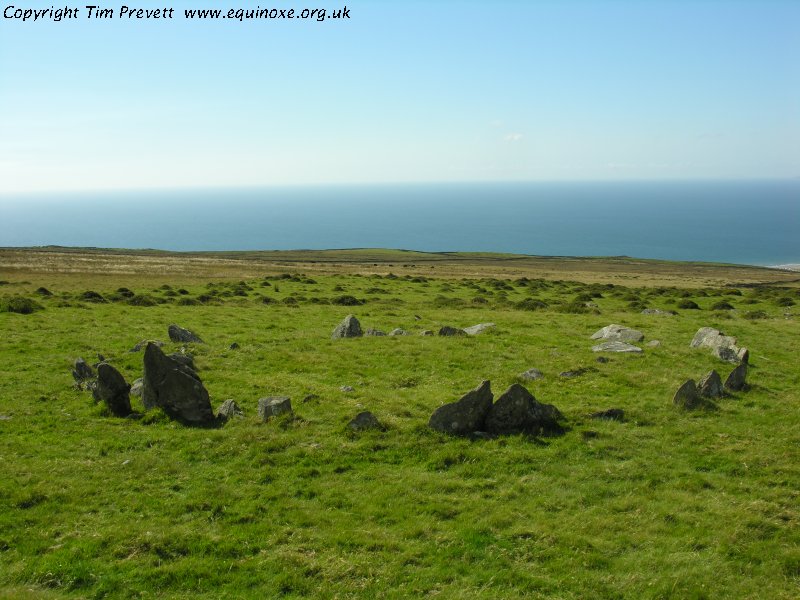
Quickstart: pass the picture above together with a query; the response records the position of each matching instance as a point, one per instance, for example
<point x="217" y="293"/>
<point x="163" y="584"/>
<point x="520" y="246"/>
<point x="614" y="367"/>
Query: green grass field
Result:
<point x="667" y="504"/>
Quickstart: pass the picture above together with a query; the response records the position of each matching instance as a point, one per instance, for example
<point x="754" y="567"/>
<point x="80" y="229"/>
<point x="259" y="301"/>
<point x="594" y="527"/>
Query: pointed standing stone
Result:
<point x="466" y="415"/>
<point x="348" y="328"/>
<point x="112" y="389"/>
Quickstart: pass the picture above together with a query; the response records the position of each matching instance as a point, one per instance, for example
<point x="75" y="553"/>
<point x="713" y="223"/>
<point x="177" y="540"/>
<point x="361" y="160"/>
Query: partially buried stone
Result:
<point x="348" y="328"/>
<point x="710" y="386"/>
<point x="113" y="390"/>
<point x="517" y="411"/>
<point x="273" y="406"/>
<point x="479" y="328"/>
<point x="228" y="410"/>
<point x="531" y="375"/>
<point x="616" y="347"/>
<point x="736" y="381"/>
<point x="466" y="415"/>
<point x="363" y="421"/>
<point x="612" y="414"/>
<point x="451" y="331"/>
<point x="374" y="332"/>
<point x="179" y="334"/>
<point x="398" y="331"/>
<point x="81" y="371"/>
<point x="136" y="387"/>
<point x="175" y="388"/>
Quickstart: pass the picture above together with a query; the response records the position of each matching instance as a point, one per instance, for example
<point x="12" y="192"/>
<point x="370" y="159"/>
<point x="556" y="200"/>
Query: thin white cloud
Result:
<point x="512" y="137"/>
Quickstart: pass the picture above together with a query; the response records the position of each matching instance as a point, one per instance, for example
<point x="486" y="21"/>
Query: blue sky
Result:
<point x="403" y="92"/>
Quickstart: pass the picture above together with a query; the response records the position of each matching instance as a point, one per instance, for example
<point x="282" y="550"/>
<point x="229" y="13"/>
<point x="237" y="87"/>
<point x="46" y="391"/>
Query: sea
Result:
<point x="740" y="222"/>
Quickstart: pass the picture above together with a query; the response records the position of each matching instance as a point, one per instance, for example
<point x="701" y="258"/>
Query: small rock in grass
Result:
<point x="479" y="328"/>
<point x="273" y="406"/>
<point x="426" y="332"/>
<point x="612" y="414"/>
<point x="364" y="421"/>
<point x="136" y="387"/>
<point x="234" y="346"/>
<point x="653" y="344"/>
<point x="179" y="334"/>
<point x="531" y="375"/>
<point x="374" y="332"/>
<point x="451" y="331"/>
<point x="398" y="331"/>
<point x="81" y="371"/>
<point x="347" y="389"/>
<point x="228" y="410"/>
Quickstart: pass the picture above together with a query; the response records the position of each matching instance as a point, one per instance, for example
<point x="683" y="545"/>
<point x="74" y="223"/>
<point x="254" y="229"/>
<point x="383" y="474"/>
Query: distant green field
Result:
<point x="667" y="504"/>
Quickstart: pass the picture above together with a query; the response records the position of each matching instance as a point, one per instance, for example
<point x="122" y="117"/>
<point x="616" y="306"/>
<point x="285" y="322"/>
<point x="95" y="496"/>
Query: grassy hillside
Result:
<point x="667" y="504"/>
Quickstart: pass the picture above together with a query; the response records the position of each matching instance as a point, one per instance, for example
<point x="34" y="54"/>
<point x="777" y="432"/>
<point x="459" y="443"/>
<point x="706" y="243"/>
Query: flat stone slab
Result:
<point x="479" y="328"/>
<point x="618" y="333"/>
<point x="616" y="347"/>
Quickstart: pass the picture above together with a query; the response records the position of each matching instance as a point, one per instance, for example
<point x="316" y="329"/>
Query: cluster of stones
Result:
<point x="723" y="346"/>
<point x="702" y="394"/>
<point x="171" y="383"/>
<point x="515" y="411"/>
<point x="350" y="327"/>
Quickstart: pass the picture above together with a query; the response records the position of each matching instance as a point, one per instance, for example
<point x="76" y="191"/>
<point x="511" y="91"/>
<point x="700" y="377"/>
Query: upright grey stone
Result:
<point x="466" y="415"/>
<point x="273" y="406"/>
<point x="710" y="386"/>
<point x="517" y="411"/>
<point x="687" y="396"/>
<point x="175" y="388"/>
<point x="737" y="380"/>
<point x="113" y="390"/>
<point x="743" y="355"/>
<point x="348" y="328"/>
<point x="179" y="334"/>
